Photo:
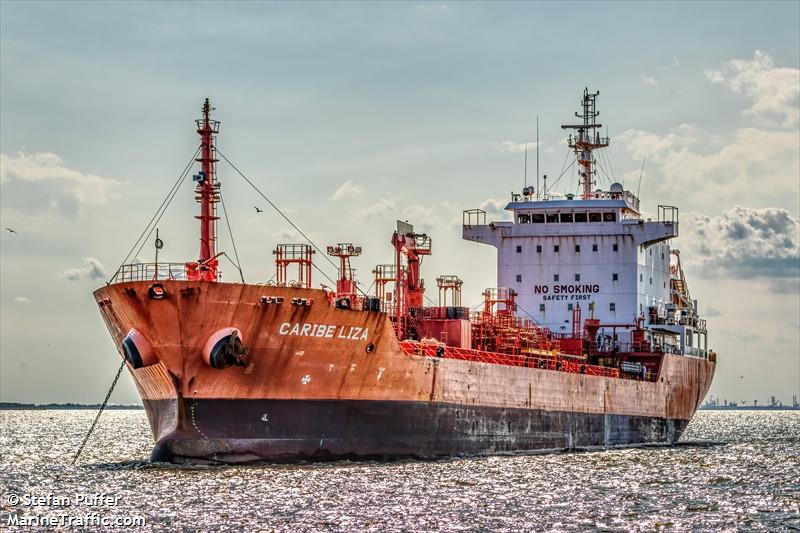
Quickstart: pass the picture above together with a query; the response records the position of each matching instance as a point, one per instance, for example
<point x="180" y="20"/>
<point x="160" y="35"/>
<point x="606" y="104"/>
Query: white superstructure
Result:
<point x="595" y="252"/>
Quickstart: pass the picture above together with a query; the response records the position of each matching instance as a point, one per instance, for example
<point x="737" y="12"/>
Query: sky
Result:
<point x="352" y="115"/>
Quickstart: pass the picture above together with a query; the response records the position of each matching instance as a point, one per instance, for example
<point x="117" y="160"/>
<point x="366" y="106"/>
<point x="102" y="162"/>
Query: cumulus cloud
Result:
<point x="22" y="300"/>
<point x="495" y="208"/>
<point x="717" y="169"/>
<point x="743" y="243"/>
<point x="349" y="190"/>
<point x="47" y="168"/>
<point x="774" y="91"/>
<point x="422" y="217"/>
<point x="513" y="147"/>
<point x="378" y="208"/>
<point x="92" y="270"/>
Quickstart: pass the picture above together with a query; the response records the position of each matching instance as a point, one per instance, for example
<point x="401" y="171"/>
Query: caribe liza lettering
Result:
<point x="327" y="331"/>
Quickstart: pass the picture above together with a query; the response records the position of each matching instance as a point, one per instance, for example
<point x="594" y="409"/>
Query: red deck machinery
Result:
<point x="299" y="254"/>
<point x="346" y="285"/>
<point x="409" y="286"/>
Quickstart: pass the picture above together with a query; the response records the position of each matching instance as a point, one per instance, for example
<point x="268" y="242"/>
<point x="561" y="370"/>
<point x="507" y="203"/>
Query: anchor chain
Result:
<point x="100" y="412"/>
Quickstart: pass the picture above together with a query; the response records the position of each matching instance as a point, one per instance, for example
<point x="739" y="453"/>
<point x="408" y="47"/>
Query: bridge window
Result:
<point x="555" y="248"/>
<point x="594" y="247"/>
<point x="577" y="248"/>
<point x="609" y="217"/>
<point x="615" y="247"/>
<point x="538" y="248"/>
<point x="595" y="217"/>
<point x="519" y="249"/>
<point x="537" y="218"/>
<point x="524" y="219"/>
<point x="581" y="217"/>
<point x="566" y="217"/>
<point x="551" y="218"/>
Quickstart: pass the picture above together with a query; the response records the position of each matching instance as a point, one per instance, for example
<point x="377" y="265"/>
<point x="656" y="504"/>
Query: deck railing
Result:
<point x="548" y="363"/>
<point x="150" y="272"/>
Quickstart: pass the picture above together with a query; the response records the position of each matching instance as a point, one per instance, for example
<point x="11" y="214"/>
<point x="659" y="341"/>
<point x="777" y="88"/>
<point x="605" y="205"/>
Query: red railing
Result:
<point x="530" y="361"/>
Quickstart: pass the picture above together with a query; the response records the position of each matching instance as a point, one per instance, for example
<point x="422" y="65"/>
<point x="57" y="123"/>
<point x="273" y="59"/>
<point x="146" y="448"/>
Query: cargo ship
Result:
<point x="590" y="339"/>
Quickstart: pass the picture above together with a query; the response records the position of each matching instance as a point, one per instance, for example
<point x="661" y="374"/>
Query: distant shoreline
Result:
<point x="7" y="406"/>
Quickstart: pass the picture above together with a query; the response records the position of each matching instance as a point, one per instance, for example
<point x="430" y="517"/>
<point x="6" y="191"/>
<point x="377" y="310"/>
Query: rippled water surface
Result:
<point x="734" y="471"/>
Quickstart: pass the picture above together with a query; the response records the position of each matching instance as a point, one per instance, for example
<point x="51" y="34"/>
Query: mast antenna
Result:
<point x="641" y="172"/>
<point x="537" y="157"/>
<point x="586" y="139"/>
<point x="526" y="164"/>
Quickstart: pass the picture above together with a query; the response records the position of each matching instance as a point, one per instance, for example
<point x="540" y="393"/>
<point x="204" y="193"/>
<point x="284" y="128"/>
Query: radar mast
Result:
<point x="585" y="139"/>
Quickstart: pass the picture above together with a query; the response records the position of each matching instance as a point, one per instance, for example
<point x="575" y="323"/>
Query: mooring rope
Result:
<point x="100" y="412"/>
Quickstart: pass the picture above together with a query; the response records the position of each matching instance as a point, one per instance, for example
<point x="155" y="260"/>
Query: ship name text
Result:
<point x="325" y="331"/>
<point x="566" y="291"/>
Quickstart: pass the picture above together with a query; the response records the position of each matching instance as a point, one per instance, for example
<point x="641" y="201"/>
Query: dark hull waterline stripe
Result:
<point x="234" y="431"/>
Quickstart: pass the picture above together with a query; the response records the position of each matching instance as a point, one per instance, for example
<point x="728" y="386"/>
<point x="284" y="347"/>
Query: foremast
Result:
<point x="207" y="195"/>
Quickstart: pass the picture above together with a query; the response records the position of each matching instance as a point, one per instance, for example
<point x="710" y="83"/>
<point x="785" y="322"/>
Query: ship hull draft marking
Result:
<point x="590" y="339"/>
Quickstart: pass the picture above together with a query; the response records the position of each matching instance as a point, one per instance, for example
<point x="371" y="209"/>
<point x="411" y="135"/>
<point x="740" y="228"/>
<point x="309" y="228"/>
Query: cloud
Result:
<point x="422" y="217"/>
<point x="774" y="91"/>
<point x="515" y="148"/>
<point x="74" y="187"/>
<point x="348" y="190"/>
<point x="495" y="208"/>
<point x="743" y="243"/>
<point x="715" y="169"/>
<point x="93" y="269"/>
<point x="651" y="80"/>
<point x="378" y="208"/>
<point x="22" y="300"/>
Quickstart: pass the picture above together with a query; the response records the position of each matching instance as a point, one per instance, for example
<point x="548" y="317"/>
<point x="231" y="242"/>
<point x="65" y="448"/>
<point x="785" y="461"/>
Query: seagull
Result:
<point x="11" y="230"/>
<point x="741" y="377"/>
<point x="257" y="209"/>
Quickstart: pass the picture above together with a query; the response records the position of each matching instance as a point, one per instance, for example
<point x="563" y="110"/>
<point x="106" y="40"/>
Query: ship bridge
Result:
<point x="597" y="254"/>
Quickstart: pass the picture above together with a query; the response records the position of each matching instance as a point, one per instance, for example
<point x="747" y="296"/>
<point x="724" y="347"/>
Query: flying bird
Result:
<point x="741" y="377"/>
<point x="257" y="209"/>
<point x="11" y="230"/>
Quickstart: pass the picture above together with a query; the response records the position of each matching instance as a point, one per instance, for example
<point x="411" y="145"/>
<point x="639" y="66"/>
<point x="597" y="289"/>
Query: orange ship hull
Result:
<point x="320" y="382"/>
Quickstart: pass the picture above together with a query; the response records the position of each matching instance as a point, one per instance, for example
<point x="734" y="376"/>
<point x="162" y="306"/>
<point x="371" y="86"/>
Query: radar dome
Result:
<point x="616" y="187"/>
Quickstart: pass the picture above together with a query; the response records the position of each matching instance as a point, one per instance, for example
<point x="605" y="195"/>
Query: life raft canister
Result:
<point x="137" y="350"/>
<point x="224" y="348"/>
